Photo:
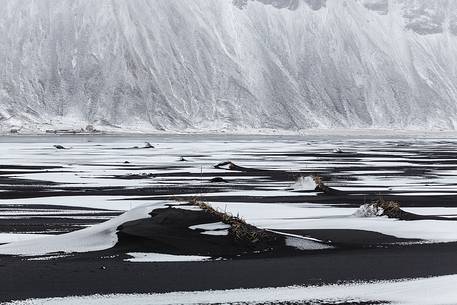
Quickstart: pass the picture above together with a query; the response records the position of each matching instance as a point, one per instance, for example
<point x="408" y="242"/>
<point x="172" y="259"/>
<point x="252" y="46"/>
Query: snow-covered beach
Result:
<point x="62" y="221"/>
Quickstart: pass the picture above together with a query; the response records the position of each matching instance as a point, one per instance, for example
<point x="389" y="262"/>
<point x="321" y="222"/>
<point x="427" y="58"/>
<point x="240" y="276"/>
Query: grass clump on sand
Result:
<point x="389" y="208"/>
<point x="239" y="229"/>
<point x="320" y="185"/>
<point x="381" y="207"/>
<point x="392" y="209"/>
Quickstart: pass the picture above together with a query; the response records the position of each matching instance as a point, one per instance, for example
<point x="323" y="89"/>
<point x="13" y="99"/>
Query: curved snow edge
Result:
<point x="96" y="238"/>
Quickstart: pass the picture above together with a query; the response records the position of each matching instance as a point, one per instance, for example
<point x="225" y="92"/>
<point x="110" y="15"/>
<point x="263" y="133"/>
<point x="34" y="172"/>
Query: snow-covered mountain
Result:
<point x="228" y="64"/>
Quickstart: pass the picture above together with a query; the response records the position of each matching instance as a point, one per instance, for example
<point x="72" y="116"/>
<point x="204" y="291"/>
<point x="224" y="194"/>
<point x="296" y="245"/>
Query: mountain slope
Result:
<point x="218" y="64"/>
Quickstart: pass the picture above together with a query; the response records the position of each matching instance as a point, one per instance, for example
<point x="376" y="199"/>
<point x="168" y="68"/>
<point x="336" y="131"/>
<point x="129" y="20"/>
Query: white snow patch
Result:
<point x="304" y="184"/>
<point x="211" y="226"/>
<point x="188" y="207"/>
<point x="158" y="257"/>
<point x="302" y="243"/>
<point x="13" y="237"/>
<point x="47" y="257"/>
<point x="216" y="233"/>
<point x="369" y="210"/>
<point x="214" y="229"/>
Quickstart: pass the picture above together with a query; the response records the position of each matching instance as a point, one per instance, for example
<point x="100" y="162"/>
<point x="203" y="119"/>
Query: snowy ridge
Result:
<point x="201" y="65"/>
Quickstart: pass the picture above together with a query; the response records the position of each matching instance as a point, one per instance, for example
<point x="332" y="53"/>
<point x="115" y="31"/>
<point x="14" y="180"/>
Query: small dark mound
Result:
<point x="59" y="146"/>
<point x="321" y="187"/>
<point x="148" y="145"/>
<point x="168" y="231"/>
<point x="218" y="180"/>
<point x="231" y="166"/>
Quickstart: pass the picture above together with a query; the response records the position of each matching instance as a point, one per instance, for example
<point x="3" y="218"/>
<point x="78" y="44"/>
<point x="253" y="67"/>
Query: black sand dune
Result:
<point x="168" y="231"/>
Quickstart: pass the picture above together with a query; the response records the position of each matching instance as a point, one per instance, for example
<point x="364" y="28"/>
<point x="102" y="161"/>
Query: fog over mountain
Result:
<point x="228" y="64"/>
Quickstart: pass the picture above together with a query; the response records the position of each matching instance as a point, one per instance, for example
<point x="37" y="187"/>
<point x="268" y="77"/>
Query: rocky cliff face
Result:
<point x="229" y="64"/>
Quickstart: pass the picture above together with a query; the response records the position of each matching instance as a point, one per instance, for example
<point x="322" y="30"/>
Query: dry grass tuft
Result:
<point x="390" y="208"/>
<point x="239" y="229"/>
<point x="320" y="185"/>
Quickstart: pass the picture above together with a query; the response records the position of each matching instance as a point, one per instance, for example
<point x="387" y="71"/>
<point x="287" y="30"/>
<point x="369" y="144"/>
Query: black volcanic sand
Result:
<point x="16" y="188"/>
<point x="360" y="255"/>
<point x="167" y="231"/>
<point x="26" y="218"/>
<point x="38" y="224"/>
<point x="90" y="273"/>
<point x="353" y="239"/>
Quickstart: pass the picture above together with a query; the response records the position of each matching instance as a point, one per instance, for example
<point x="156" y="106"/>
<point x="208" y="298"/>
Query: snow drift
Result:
<point x="223" y="64"/>
<point x="98" y="237"/>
